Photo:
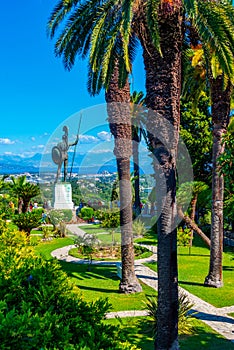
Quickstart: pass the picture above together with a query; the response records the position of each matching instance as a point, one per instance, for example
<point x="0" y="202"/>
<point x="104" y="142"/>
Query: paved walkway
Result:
<point x="216" y="318"/>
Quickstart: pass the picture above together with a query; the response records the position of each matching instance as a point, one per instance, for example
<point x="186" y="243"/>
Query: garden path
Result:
<point x="216" y="318"/>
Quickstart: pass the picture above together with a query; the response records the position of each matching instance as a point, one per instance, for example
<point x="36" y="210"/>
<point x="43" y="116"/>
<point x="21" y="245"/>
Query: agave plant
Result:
<point x="185" y="314"/>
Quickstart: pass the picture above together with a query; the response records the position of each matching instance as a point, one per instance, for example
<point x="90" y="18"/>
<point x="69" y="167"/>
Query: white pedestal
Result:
<point x="63" y="196"/>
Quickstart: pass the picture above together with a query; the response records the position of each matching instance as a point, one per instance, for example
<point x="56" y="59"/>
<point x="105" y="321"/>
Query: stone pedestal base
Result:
<point x="63" y="196"/>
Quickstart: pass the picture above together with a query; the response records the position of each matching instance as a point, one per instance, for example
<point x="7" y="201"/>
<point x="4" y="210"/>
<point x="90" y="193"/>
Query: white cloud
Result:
<point x="8" y="153"/>
<point x="99" y="151"/>
<point x="88" y="139"/>
<point x="39" y="147"/>
<point x="6" y="141"/>
<point x="104" y="136"/>
<point x="33" y="138"/>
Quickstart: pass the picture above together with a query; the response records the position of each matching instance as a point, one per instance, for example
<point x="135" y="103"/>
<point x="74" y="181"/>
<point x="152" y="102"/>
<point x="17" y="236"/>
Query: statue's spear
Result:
<point x="74" y="153"/>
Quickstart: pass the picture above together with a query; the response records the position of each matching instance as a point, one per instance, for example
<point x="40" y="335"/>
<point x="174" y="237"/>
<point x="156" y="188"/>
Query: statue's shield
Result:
<point x="56" y="155"/>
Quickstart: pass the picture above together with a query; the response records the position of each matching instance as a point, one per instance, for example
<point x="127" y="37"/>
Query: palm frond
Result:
<point x="152" y="19"/>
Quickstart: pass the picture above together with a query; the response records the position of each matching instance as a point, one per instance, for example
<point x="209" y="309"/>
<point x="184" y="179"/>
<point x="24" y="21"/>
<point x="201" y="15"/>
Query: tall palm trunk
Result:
<point x="120" y="126"/>
<point x="135" y="149"/>
<point x="163" y="84"/>
<point x="220" y="98"/>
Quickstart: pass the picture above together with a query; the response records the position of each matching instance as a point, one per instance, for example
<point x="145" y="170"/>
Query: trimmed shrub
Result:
<point x="86" y="213"/>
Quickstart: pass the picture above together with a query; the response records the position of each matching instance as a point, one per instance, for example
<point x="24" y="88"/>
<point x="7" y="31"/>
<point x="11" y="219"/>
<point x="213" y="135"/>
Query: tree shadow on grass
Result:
<point x="139" y="332"/>
<point x="84" y="271"/>
<point x="184" y="254"/>
<point x="228" y="268"/>
<point x="204" y="340"/>
<point x="192" y="283"/>
<point x="212" y="317"/>
<point x="100" y="290"/>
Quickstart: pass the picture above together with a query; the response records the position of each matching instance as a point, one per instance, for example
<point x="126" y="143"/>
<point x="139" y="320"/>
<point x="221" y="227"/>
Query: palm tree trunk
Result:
<point x="163" y="85"/>
<point x="193" y="226"/>
<point x="220" y="98"/>
<point x="192" y="217"/>
<point x="135" y="148"/>
<point x="120" y="126"/>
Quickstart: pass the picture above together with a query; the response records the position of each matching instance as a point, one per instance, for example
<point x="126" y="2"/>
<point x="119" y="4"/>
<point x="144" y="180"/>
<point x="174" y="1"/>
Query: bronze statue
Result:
<point x="60" y="154"/>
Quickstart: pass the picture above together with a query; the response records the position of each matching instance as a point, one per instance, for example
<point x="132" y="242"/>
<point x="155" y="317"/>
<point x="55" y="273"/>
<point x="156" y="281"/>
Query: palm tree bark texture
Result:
<point x="119" y="116"/>
<point x="220" y="98"/>
<point x="163" y="86"/>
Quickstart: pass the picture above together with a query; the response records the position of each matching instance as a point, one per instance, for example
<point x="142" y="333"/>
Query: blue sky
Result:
<point x="37" y="94"/>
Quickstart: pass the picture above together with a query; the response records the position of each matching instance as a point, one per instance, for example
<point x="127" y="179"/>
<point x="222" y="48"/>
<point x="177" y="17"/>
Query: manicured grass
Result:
<point x="45" y="248"/>
<point x="204" y="337"/>
<point x="194" y="268"/>
<point x="231" y="314"/>
<point x="108" y="238"/>
<point x="93" y="228"/>
<point x="149" y="238"/>
<point x="102" y="282"/>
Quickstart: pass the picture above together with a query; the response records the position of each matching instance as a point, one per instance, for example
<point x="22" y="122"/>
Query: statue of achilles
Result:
<point x="60" y="154"/>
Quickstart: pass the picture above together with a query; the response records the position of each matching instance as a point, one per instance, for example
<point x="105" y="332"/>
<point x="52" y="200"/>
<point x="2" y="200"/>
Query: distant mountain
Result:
<point x="10" y="164"/>
<point x="15" y="164"/>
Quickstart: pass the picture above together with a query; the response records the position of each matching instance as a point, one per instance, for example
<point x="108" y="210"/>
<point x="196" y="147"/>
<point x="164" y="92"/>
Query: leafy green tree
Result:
<point x="196" y="132"/>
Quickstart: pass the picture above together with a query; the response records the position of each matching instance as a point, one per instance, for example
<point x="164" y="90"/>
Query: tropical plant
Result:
<point x="27" y="221"/>
<point x="139" y="228"/>
<point x="24" y="190"/>
<point x="185" y="314"/>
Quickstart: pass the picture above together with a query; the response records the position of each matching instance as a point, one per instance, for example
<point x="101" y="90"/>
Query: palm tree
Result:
<point x="100" y="25"/>
<point x="220" y="99"/>
<point x="137" y="100"/>
<point x="25" y="192"/>
<point x="215" y="64"/>
<point x="119" y="116"/>
<point x="79" y="35"/>
<point x="18" y="182"/>
<point x="163" y="80"/>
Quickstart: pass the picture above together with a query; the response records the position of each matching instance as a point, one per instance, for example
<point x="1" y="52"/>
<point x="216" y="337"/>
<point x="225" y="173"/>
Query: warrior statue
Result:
<point x="60" y="154"/>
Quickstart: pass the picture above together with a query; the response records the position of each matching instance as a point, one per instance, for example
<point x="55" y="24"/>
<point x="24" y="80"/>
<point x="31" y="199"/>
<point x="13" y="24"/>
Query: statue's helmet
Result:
<point x="65" y="129"/>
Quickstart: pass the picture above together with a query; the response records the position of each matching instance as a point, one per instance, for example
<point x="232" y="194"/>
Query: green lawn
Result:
<point x="93" y="228"/>
<point x="102" y="281"/>
<point x="194" y="268"/>
<point x="45" y="248"/>
<point x="149" y="238"/>
<point x="204" y="337"/>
